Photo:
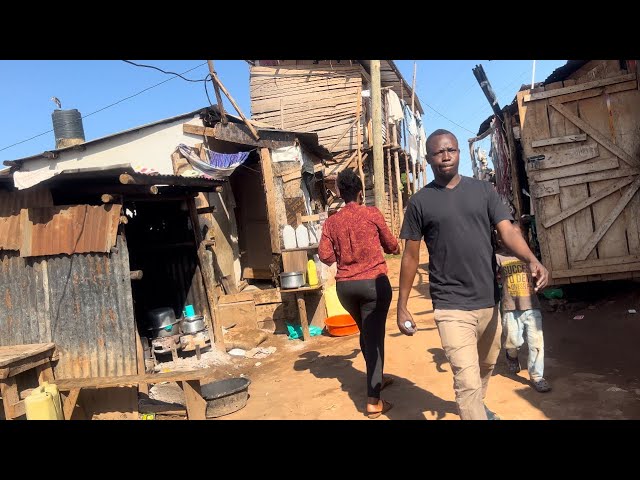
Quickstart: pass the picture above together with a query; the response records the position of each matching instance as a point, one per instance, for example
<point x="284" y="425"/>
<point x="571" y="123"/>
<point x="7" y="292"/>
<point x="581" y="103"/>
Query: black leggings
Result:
<point x="367" y="301"/>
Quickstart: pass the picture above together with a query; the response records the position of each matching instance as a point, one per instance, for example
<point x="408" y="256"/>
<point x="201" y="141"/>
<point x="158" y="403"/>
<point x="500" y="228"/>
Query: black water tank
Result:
<point x="67" y="127"/>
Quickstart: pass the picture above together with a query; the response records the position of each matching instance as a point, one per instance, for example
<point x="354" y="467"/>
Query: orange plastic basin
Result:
<point x="341" y="325"/>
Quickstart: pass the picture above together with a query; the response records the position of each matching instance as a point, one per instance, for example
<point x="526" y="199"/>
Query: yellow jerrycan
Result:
<point x="334" y="307"/>
<point x="43" y="403"/>
<point x="312" y="273"/>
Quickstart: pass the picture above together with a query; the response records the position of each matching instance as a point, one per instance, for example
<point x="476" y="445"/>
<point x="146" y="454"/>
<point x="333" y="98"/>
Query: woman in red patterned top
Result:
<point x="352" y="238"/>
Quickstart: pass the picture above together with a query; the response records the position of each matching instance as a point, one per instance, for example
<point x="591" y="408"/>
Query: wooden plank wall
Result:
<point x="609" y="115"/>
<point x="309" y="98"/>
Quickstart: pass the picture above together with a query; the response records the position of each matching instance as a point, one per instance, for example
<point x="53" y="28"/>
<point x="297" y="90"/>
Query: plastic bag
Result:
<point x="295" y="331"/>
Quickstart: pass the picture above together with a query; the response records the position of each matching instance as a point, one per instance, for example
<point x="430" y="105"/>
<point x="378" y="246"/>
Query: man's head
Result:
<point x="349" y="185"/>
<point x="443" y="154"/>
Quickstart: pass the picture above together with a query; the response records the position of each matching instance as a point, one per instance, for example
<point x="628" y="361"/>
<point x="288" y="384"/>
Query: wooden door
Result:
<point x="581" y="144"/>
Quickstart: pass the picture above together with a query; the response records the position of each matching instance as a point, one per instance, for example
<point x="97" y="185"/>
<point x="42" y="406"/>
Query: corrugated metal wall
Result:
<point x="80" y="302"/>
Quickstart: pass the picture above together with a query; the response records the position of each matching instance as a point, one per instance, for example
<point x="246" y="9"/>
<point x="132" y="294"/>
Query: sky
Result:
<point x="113" y="95"/>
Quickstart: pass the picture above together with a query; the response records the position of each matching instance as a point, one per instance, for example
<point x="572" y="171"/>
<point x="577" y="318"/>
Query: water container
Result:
<point x="289" y="237"/>
<point x="312" y="274"/>
<point x="43" y="403"/>
<point x="302" y="236"/>
<point x="67" y="127"/>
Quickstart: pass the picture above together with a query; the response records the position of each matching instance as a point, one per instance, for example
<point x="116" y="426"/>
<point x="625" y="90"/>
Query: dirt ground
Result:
<point x="592" y="364"/>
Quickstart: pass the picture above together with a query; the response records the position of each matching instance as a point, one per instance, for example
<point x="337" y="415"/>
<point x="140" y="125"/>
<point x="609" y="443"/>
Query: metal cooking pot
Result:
<point x="161" y="317"/>
<point x="193" y="324"/>
<point x="292" y="280"/>
<point x="166" y="331"/>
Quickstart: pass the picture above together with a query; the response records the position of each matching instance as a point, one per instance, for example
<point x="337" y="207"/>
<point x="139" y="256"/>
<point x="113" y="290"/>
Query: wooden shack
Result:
<point x="95" y="235"/>
<point x="330" y="98"/>
<point x="573" y="144"/>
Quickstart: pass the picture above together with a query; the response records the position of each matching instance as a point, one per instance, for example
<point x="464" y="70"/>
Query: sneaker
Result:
<point x="541" y="385"/>
<point x="513" y="364"/>
<point x="490" y="414"/>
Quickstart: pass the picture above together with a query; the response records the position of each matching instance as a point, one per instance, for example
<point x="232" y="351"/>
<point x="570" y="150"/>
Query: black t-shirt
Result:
<point x="456" y="224"/>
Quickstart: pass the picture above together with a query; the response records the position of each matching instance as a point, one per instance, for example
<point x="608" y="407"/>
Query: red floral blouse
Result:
<point x="352" y="238"/>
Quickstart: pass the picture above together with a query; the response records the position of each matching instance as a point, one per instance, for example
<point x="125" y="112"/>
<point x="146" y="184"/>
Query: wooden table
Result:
<point x="16" y="359"/>
<point x="302" y="306"/>
<point x="189" y="380"/>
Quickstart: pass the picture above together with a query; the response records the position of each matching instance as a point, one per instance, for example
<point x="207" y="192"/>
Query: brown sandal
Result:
<point x="386" y="406"/>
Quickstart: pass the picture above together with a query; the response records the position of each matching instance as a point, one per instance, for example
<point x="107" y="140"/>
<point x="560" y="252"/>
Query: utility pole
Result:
<point x="376" y="122"/>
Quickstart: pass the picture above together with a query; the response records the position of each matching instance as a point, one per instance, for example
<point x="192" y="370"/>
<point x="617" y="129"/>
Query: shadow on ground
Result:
<point x="410" y="401"/>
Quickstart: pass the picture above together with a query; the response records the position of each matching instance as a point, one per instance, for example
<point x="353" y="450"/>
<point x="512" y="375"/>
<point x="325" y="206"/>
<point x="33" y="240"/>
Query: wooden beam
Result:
<point x="378" y="154"/>
<point x="544" y="189"/>
<point x="70" y="403"/>
<point x="390" y="176"/>
<point x="142" y="387"/>
<point x="564" y="158"/>
<point x="359" y="146"/>
<point x="302" y="311"/>
<point x="270" y="193"/>
<point x="108" y="198"/>
<point x="198" y="130"/>
<point x="575" y="208"/>
<point x="578" y="272"/>
<point x="127" y="179"/>
<point x="597" y="136"/>
<point x="357" y="119"/>
<point x="223" y="115"/>
<point x="601" y="262"/>
<point x="513" y="158"/>
<point x="406" y="173"/>
<point x="204" y="210"/>
<point x="396" y="164"/>
<point x="579" y="137"/>
<point x="136" y="274"/>
<point x="595" y="92"/>
<point x="573" y="170"/>
<point x="578" y="88"/>
<point x="608" y="221"/>
<point x="256" y="273"/>
<point x="297" y="173"/>
<point x="208" y="278"/>
<point x="597" y="176"/>
<point x="253" y="131"/>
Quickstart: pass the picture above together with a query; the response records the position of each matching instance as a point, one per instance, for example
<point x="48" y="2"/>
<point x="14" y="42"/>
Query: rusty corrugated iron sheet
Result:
<point x="10" y="205"/>
<point x="81" y="302"/>
<point x="69" y="229"/>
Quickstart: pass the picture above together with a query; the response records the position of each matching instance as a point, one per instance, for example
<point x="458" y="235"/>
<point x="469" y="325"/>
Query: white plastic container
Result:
<point x="302" y="236"/>
<point x="289" y="237"/>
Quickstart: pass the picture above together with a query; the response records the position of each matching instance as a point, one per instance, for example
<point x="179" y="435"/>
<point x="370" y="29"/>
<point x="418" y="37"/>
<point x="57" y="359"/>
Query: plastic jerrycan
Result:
<point x="43" y="403"/>
<point x="312" y="274"/>
<point x="333" y="305"/>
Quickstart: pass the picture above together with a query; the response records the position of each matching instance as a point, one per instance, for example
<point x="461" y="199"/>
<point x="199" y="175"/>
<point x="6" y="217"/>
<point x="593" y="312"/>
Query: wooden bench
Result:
<point x="188" y="380"/>
<point x="16" y="360"/>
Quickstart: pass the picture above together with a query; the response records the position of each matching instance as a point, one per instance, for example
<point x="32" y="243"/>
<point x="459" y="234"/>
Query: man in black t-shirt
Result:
<point x="455" y="215"/>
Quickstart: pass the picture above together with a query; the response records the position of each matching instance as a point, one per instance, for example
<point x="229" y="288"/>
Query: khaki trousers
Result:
<point x="471" y="342"/>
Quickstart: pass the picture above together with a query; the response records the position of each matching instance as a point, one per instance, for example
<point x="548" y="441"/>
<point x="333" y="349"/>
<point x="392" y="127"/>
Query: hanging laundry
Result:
<point x="218" y="165"/>
<point x="422" y="137"/>
<point x="412" y="140"/>
<point x="395" y="113"/>
<point x="226" y="160"/>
